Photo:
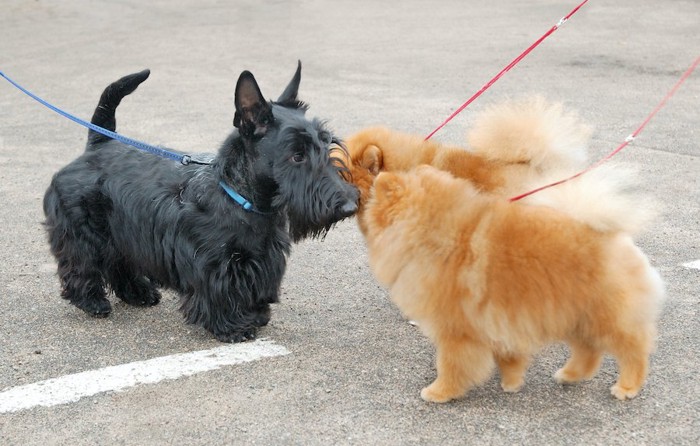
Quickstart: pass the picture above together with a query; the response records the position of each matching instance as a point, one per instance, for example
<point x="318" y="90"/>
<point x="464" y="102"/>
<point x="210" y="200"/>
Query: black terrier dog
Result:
<point x="127" y="220"/>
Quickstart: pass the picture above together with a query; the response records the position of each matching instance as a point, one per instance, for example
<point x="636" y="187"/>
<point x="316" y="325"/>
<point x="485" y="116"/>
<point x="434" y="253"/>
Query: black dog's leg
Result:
<point x="131" y="288"/>
<point x="76" y="242"/>
<point x="83" y="285"/>
<point x="244" y="327"/>
<point x="228" y="321"/>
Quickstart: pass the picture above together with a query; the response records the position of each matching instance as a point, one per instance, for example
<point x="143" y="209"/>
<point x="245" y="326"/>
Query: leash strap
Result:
<point x="506" y="69"/>
<point x="628" y="140"/>
<point x="184" y="159"/>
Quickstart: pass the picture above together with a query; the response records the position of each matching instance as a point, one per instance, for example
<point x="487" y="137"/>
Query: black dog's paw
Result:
<point x="139" y="293"/>
<point x="236" y="336"/>
<point x="154" y="298"/>
<point x="147" y="299"/>
<point x="261" y="320"/>
<point x="95" y="307"/>
<point x="262" y="317"/>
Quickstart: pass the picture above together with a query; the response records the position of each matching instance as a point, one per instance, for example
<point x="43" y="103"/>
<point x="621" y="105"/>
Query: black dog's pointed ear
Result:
<point x="253" y="113"/>
<point x="289" y="97"/>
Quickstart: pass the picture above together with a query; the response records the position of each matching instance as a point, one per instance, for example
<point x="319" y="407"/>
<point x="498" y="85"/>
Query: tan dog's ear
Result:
<point x="372" y="159"/>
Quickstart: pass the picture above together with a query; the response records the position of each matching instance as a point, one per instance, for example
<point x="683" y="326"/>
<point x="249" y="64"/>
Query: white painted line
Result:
<point x="693" y="265"/>
<point x="70" y="388"/>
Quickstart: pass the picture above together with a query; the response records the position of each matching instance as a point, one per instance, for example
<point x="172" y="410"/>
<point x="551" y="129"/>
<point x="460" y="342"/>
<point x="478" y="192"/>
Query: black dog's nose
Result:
<point x="348" y="209"/>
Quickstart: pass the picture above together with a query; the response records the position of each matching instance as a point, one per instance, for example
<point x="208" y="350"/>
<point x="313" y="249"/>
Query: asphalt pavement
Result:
<point x="355" y="367"/>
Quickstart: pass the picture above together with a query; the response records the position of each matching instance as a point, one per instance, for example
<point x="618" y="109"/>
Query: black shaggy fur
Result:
<point x="129" y="221"/>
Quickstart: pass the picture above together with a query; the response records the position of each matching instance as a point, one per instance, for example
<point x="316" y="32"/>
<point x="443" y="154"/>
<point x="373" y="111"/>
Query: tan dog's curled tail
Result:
<point x="531" y="131"/>
<point x="606" y="198"/>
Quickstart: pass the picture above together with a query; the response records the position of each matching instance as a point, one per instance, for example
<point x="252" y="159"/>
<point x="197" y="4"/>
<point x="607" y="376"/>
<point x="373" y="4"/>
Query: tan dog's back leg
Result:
<point x="632" y="354"/>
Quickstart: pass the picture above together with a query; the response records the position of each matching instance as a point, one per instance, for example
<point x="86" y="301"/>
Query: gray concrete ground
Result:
<point x="356" y="366"/>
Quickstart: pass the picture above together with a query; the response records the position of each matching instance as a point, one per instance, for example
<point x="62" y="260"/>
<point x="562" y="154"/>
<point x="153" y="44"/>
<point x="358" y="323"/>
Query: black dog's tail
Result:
<point x="109" y="101"/>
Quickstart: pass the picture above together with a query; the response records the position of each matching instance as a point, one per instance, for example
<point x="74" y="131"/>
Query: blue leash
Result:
<point x="183" y="159"/>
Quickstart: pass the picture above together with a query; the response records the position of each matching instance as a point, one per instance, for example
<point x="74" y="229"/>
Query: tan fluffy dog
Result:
<point x="490" y="282"/>
<point x="513" y="146"/>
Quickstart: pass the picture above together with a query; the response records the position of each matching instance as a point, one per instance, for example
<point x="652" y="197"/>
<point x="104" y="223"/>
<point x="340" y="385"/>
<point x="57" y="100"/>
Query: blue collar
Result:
<point x="238" y="198"/>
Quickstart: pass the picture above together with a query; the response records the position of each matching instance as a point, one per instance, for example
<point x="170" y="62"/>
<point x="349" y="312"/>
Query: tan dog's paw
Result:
<point x="433" y="394"/>
<point x="564" y="376"/>
<point x="512" y="385"/>
<point x="623" y="393"/>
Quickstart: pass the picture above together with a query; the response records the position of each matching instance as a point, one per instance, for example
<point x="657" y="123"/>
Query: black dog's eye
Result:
<point x="299" y="157"/>
<point x="266" y="119"/>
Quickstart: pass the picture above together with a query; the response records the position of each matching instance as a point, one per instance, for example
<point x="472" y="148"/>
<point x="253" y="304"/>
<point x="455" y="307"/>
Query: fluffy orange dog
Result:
<point x="490" y="281"/>
<point x="513" y="145"/>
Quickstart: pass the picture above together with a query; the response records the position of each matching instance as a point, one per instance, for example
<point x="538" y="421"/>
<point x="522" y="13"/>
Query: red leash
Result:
<point x="507" y="68"/>
<point x="628" y="140"/>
